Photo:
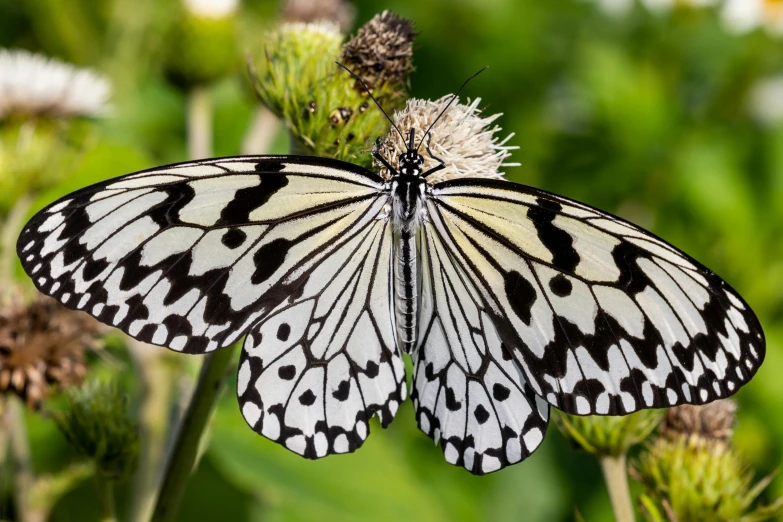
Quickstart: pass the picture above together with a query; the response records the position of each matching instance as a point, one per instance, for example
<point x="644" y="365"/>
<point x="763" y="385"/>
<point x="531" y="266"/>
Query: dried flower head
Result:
<point x="710" y="421"/>
<point x="211" y="8"/>
<point x="42" y="343"/>
<point x="382" y="50"/>
<point x="464" y="140"/>
<point x="34" y="85"/>
<point x="337" y="11"/>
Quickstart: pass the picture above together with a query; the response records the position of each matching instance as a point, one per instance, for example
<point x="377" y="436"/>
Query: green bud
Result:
<point x="327" y="110"/>
<point x="691" y="478"/>
<point x="608" y="436"/>
<point x="97" y="424"/>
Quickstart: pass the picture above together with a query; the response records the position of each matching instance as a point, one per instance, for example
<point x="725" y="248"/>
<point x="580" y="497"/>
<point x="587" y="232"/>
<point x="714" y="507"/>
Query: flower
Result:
<point x="382" y="49"/>
<point x="337" y="11"/>
<point x="42" y="343"/>
<point x="211" y="8"/>
<point x="463" y="139"/>
<point x="35" y="85"/>
<point x="741" y="16"/>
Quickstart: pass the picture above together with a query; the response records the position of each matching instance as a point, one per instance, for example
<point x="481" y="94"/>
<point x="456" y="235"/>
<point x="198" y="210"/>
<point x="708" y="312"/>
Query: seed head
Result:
<point x="42" y="343"/>
<point x="382" y="50"/>
<point x="464" y="140"/>
<point x="710" y="421"/>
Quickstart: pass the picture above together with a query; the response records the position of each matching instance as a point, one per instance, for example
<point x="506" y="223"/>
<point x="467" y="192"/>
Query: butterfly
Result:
<point x="509" y="299"/>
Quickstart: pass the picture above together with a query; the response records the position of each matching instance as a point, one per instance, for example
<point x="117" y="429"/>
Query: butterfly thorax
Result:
<point x="407" y="194"/>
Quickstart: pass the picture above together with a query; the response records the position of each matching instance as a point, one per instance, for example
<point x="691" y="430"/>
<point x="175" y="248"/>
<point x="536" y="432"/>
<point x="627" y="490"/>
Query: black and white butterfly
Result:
<point x="508" y="298"/>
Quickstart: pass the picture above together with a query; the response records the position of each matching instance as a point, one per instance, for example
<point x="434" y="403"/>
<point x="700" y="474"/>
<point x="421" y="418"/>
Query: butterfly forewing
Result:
<point x="190" y="256"/>
<point x="601" y="316"/>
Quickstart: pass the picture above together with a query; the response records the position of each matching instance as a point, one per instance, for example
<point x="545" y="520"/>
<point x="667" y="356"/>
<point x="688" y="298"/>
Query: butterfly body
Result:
<point x="508" y="298"/>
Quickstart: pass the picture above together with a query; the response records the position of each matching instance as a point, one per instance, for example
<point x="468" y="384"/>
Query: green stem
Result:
<point x="199" y="123"/>
<point x="154" y="414"/>
<point x="106" y="498"/>
<point x="184" y="449"/>
<point x="21" y="460"/>
<point x="616" y="476"/>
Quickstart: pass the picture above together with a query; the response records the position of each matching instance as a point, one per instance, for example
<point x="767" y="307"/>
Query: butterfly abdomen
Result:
<point x="406" y="289"/>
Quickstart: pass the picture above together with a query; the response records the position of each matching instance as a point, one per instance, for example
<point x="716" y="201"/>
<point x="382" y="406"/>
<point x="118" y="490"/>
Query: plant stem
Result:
<point x="154" y="415"/>
<point x="262" y="130"/>
<point x="106" y="498"/>
<point x="616" y="476"/>
<point x="184" y="449"/>
<point x="199" y="123"/>
<point x="21" y="460"/>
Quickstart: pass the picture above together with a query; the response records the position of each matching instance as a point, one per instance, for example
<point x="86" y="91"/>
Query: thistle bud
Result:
<point x="326" y="113"/>
<point x="97" y="424"/>
<point x="608" y="436"/>
<point x="465" y="141"/>
<point x="691" y="472"/>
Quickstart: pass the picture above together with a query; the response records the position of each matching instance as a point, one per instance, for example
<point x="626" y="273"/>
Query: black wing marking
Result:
<point x="467" y="391"/>
<point x="189" y="256"/>
<point x="318" y="367"/>
<point x="601" y="316"/>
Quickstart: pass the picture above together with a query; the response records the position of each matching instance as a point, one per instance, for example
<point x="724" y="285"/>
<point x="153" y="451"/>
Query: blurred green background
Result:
<point x="668" y="117"/>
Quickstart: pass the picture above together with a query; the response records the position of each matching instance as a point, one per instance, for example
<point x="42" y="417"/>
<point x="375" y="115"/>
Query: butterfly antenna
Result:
<point x="454" y="97"/>
<point x="369" y="92"/>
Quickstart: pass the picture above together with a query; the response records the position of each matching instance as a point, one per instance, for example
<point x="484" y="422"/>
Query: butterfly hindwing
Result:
<point x="314" y="372"/>
<point x="601" y="316"/>
<point x="467" y="391"/>
<point x="189" y="256"/>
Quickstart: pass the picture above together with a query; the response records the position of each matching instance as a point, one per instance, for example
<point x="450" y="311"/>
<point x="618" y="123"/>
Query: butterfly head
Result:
<point x="410" y="162"/>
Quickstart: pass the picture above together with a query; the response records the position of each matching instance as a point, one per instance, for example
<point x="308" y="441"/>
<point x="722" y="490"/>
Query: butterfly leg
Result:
<point x="377" y="155"/>
<point x="441" y="163"/>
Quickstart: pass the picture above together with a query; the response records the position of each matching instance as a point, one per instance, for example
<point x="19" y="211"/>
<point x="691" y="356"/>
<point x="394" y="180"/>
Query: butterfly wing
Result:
<point x="601" y="316"/>
<point x="324" y="361"/>
<point x="189" y="256"/>
<point x="467" y="391"/>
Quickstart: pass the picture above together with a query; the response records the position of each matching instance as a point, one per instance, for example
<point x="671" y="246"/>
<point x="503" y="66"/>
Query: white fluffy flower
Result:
<point x="211" y="8"/>
<point x="35" y="85"/>
<point x="465" y="141"/>
<point x="742" y="16"/>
